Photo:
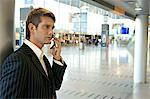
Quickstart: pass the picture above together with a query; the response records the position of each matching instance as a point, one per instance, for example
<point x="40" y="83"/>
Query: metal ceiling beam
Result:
<point x="130" y="15"/>
<point x="107" y="6"/>
<point x="104" y="4"/>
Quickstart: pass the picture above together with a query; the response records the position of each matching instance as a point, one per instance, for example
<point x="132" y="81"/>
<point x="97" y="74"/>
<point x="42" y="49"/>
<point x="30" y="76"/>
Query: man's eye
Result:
<point x="47" y="26"/>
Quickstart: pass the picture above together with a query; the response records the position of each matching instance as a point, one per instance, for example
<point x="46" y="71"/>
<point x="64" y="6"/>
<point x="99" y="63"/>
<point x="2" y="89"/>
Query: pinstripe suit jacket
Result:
<point x="22" y="76"/>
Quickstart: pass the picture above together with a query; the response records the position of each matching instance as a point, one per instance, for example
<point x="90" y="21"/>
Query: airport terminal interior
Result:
<point x="98" y="45"/>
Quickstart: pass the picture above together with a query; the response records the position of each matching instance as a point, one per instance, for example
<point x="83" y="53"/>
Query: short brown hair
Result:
<point x="34" y="17"/>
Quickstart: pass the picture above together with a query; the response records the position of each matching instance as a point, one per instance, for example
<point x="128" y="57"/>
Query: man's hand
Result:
<point x="56" y="51"/>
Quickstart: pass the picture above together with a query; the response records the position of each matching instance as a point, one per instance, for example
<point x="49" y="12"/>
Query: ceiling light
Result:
<point x="130" y="2"/>
<point x="84" y="7"/>
<point x="138" y="9"/>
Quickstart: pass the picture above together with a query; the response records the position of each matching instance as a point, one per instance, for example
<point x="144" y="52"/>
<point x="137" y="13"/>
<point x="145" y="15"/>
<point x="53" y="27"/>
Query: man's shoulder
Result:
<point x="15" y="56"/>
<point x="23" y="50"/>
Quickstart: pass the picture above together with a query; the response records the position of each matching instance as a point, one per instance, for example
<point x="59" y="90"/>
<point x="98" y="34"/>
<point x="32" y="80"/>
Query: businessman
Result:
<point x="27" y="73"/>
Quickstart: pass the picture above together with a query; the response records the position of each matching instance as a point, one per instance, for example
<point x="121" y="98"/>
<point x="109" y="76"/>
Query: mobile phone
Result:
<point x="52" y="44"/>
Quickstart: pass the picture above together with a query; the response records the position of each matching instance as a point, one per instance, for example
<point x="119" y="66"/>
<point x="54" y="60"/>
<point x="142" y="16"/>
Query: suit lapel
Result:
<point x="34" y="59"/>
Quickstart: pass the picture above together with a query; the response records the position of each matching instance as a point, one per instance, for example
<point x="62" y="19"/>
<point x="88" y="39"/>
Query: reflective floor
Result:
<point x="100" y="73"/>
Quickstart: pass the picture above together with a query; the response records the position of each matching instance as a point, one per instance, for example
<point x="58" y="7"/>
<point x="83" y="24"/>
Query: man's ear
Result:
<point x="31" y="27"/>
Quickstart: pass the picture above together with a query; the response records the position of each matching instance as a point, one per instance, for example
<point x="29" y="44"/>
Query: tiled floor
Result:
<point x="100" y="73"/>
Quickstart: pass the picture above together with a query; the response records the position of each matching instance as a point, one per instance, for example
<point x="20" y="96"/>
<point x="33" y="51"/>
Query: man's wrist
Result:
<point x="59" y="59"/>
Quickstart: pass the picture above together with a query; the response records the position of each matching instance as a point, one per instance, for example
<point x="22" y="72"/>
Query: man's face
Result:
<point x="43" y="33"/>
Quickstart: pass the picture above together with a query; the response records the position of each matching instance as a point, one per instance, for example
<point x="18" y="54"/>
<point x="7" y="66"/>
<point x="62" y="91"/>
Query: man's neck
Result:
<point x="36" y="43"/>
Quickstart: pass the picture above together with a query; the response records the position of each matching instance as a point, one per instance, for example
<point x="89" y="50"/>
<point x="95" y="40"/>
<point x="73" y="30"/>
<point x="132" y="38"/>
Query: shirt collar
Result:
<point x="35" y="49"/>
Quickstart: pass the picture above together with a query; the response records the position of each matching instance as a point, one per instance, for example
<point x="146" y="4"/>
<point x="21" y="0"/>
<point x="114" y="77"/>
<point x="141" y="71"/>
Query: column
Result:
<point x="140" y="50"/>
<point x="6" y="28"/>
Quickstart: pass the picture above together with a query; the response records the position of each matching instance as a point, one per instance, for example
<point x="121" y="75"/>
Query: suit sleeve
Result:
<point x="58" y="72"/>
<point x="12" y="74"/>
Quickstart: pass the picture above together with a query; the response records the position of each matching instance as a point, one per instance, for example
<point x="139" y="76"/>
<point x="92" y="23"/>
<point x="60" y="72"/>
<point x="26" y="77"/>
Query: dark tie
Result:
<point x="49" y="71"/>
<point x="47" y="64"/>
